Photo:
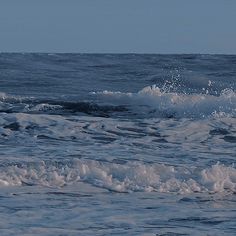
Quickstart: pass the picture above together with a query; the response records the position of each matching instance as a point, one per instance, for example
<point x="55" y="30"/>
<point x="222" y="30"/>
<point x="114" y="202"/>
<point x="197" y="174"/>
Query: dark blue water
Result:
<point x="117" y="144"/>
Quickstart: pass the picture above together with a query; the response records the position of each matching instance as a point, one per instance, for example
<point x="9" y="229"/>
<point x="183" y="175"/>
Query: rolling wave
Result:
<point x="14" y="104"/>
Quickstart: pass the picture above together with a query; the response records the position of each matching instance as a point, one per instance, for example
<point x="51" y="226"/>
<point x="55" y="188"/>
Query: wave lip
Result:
<point x="129" y="177"/>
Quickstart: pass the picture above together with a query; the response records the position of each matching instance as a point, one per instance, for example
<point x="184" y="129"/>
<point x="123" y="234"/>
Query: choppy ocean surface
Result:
<point x="117" y="144"/>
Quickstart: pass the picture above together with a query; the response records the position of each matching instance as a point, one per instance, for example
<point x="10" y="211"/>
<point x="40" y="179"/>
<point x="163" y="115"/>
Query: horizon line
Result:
<point x="115" y="53"/>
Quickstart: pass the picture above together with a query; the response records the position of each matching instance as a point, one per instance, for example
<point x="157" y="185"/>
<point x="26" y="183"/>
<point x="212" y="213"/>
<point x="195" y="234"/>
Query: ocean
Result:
<point x="117" y="144"/>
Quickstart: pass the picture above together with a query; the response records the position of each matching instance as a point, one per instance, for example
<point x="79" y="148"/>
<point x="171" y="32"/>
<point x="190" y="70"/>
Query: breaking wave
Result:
<point x="157" y="102"/>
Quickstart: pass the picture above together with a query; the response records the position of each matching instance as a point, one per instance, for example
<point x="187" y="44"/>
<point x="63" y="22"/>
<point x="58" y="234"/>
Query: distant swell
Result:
<point x="128" y="177"/>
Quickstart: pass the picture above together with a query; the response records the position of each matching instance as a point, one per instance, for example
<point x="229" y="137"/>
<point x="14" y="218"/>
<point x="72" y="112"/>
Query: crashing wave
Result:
<point x="157" y="102"/>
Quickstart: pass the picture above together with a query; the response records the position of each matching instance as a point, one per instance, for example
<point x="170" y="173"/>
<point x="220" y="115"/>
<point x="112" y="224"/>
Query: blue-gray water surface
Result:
<point x="108" y="144"/>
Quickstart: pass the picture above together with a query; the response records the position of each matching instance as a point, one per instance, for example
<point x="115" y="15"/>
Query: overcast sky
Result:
<point x="118" y="26"/>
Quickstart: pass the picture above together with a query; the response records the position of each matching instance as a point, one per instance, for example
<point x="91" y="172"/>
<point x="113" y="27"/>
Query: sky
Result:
<point x="118" y="26"/>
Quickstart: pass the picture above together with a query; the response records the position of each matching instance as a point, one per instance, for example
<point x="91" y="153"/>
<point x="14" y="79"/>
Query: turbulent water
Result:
<point x="117" y="144"/>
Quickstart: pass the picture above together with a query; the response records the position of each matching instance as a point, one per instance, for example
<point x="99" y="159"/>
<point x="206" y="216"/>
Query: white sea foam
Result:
<point x="132" y="176"/>
<point x="164" y="103"/>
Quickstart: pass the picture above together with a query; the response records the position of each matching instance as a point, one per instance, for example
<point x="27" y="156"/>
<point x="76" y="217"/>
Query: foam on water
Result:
<point x="132" y="176"/>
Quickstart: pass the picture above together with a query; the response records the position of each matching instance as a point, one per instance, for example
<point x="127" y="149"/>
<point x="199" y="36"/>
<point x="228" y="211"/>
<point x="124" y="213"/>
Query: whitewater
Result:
<point x="117" y="144"/>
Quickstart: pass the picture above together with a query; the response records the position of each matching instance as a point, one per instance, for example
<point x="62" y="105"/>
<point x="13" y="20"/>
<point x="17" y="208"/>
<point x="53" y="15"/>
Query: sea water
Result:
<point x="117" y="144"/>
